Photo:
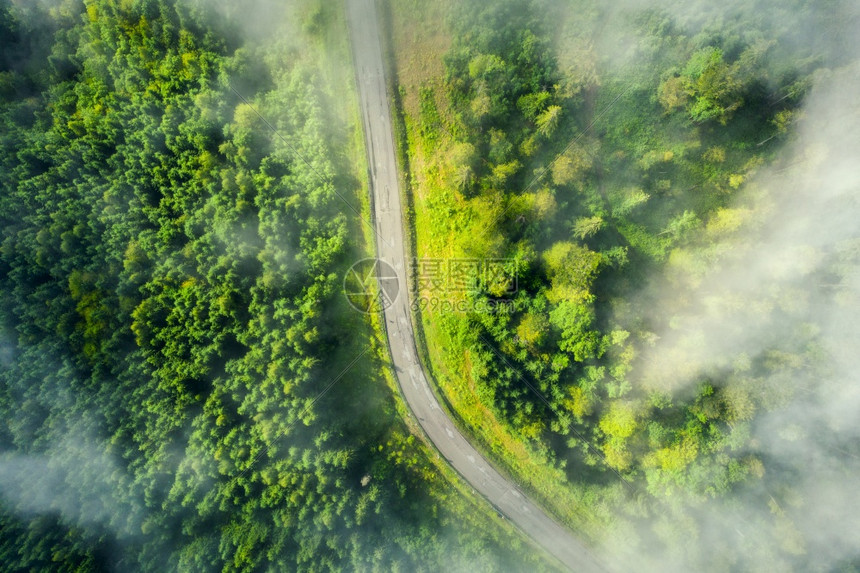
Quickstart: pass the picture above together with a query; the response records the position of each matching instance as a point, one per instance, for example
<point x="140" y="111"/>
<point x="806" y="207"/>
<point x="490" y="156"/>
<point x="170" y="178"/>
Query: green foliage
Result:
<point x="643" y="154"/>
<point x="571" y="269"/>
<point x="587" y="226"/>
<point x="169" y="272"/>
<point x="711" y="84"/>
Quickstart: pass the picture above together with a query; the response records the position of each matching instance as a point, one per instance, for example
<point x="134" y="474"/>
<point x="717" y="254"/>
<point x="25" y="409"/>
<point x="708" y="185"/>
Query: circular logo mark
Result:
<point x="371" y="285"/>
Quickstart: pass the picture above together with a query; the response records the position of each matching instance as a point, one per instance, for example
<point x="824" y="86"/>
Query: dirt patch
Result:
<point x="420" y="40"/>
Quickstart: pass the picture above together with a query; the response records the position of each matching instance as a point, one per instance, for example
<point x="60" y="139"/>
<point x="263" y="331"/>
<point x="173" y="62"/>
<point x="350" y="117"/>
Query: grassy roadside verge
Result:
<point x="416" y="55"/>
<point x="445" y="485"/>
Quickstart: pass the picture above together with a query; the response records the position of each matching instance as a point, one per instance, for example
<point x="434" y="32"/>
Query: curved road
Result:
<point x="388" y="223"/>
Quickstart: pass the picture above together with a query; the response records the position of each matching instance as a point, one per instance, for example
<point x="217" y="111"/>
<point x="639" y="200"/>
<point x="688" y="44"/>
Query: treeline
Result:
<point x="595" y="161"/>
<point x="182" y="386"/>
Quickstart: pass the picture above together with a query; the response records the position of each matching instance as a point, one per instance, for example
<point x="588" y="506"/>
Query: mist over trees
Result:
<point x="171" y="322"/>
<point x="182" y="386"/>
<point x="676" y="183"/>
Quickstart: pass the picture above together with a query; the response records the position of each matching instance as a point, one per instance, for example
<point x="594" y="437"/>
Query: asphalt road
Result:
<point x="391" y="248"/>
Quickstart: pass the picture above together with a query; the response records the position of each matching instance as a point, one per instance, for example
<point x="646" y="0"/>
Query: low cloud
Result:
<point x="78" y="479"/>
<point x="782" y="291"/>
